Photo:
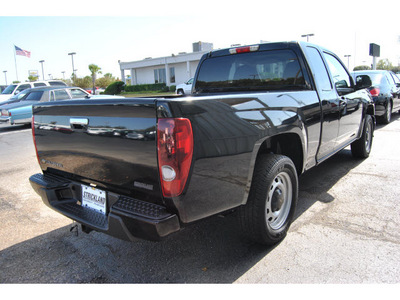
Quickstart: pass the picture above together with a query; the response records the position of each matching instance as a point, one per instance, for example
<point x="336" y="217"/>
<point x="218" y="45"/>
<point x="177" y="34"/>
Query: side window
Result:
<point x="340" y="77"/>
<point x="396" y="78"/>
<point x="23" y="87"/>
<point x="57" y="83"/>
<point x="318" y="66"/>
<point x="389" y="79"/>
<point x="75" y="93"/>
<point x="61" y="95"/>
<point x="393" y="78"/>
<point x="172" y="75"/>
<point x="39" y="84"/>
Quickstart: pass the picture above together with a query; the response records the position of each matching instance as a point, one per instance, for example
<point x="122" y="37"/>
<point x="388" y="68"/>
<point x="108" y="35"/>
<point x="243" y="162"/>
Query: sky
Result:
<point x="103" y="33"/>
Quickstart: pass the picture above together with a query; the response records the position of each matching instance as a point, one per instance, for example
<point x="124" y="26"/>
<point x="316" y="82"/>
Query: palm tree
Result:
<point x="94" y="69"/>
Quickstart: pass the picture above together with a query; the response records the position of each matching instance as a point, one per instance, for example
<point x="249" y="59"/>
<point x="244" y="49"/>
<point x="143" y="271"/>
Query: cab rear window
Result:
<point x="266" y="70"/>
<point x="33" y="96"/>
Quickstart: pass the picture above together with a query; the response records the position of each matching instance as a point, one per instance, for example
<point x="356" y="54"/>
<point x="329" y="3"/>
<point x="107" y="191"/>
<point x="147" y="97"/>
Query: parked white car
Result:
<point x="15" y="88"/>
<point x="184" y="88"/>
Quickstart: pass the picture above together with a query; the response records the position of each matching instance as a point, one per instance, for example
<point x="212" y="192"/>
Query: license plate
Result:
<point x="94" y="199"/>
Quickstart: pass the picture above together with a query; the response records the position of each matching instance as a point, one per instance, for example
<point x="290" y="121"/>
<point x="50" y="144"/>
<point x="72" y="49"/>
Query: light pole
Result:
<point x="49" y="76"/>
<point x="42" y="61"/>
<point x="63" y="72"/>
<point x="307" y="35"/>
<point x="5" y="75"/>
<point x="348" y="60"/>
<point x="72" y="57"/>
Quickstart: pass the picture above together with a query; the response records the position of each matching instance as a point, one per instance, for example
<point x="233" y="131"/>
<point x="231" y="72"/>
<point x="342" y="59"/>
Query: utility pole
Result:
<point x="5" y="75"/>
<point x="307" y="35"/>
<point x="348" y="60"/>
<point x="42" y="61"/>
<point x="73" y="68"/>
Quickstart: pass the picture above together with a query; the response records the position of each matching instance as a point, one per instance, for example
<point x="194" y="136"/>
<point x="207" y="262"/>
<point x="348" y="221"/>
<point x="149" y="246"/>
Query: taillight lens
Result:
<point x="5" y="113"/>
<point x="175" y="152"/>
<point x="375" y="92"/>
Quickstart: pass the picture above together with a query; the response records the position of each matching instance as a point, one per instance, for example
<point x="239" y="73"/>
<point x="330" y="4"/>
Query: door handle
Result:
<point x="78" y="123"/>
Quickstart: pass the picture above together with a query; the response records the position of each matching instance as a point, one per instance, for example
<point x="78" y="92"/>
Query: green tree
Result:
<point x="94" y="69"/>
<point x="83" y="83"/>
<point x="396" y="69"/>
<point x="359" y="68"/>
<point x="105" y="81"/>
<point x="32" y="78"/>
<point x="384" y="64"/>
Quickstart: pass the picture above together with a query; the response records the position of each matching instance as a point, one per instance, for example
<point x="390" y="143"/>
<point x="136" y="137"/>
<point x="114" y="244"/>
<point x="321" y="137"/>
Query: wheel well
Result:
<point x="286" y="144"/>
<point x="371" y="110"/>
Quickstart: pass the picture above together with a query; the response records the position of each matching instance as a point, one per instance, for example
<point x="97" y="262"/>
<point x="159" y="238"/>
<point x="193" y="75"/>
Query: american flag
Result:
<point x="19" y="51"/>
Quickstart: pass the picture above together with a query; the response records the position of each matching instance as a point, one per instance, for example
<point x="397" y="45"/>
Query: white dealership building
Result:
<point x="171" y="70"/>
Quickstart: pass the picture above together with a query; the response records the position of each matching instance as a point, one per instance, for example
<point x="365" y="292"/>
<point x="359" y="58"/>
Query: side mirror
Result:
<point x="363" y="82"/>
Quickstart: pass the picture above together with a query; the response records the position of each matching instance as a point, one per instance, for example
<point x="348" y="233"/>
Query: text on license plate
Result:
<point x="94" y="199"/>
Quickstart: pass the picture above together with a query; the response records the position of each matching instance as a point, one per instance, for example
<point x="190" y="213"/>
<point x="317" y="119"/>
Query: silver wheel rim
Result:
<point x="368" y="137"/>
<point x="279" y="200"/>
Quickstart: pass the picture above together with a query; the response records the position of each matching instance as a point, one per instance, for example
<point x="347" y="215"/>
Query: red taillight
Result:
<point x="175" y="152"/>
<point x="244" y="49"/>
<point x="5" y="113"/>
<point x="34" y="138"/>
<point x="375" y="92"/>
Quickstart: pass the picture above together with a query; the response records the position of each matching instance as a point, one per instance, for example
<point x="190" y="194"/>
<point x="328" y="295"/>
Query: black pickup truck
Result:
<point x="258" y="117"/>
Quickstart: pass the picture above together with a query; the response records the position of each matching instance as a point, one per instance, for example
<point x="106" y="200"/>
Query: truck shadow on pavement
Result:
<point x="209" y="251"/>
<point x="12" y="128"/>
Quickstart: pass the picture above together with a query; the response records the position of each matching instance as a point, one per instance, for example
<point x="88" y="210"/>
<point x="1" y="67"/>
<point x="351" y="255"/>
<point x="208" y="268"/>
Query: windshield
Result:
<point x="9" y="89"/>
<point x="266" y="70"/>
<point x="20" y="95"/>
<point x="33" y="96"/>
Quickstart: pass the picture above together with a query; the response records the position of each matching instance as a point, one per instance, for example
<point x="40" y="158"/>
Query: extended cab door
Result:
<point x="350" y="105"/>
<point x="329" y="102"/>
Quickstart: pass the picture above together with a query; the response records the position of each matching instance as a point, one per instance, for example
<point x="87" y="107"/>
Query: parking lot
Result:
<point x="346" y="230"/>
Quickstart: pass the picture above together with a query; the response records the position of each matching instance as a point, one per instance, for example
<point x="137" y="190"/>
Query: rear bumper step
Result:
<point x="127" y="218"/>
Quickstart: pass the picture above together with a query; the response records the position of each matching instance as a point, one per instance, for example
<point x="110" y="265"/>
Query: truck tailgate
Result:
<point x="107" y="143"/>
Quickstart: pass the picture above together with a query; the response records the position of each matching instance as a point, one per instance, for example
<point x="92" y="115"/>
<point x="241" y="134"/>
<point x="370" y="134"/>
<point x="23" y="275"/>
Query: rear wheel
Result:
<point x="180" y="92"/>
<point x="272" y="201"/>
<point x="362" y="147"/>
<point x="388" y="114"/>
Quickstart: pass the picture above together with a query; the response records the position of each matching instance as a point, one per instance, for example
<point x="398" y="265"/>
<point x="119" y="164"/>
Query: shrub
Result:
<point x="359" y="68"/>
<point x="114" y="88"/>
<point x="172" y="88"/>
<point x="145" y="87"/>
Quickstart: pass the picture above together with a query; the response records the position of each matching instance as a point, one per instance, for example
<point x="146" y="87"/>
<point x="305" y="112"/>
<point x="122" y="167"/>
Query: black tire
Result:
<point x="362" y="147"/>
<point x="387" y="117"/>
<point x="180" y="92"/>
<point x="272" y="200"/>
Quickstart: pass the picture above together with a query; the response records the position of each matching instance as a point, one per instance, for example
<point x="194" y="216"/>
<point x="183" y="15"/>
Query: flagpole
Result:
<point x="15" y="59"/>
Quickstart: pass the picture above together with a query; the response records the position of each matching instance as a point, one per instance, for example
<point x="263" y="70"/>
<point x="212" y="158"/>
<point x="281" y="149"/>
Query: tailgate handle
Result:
<point x="78" y="123"/>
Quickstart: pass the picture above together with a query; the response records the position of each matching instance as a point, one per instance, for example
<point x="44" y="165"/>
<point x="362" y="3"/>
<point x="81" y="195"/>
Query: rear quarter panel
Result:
<point x="228" y="131"/>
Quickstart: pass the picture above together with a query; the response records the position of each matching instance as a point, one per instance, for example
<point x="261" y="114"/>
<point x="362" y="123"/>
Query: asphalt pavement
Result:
<point x="346" y="230"/>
